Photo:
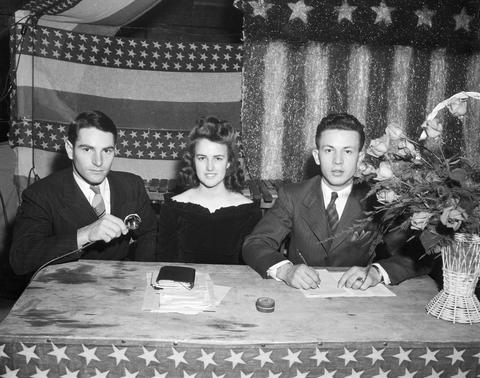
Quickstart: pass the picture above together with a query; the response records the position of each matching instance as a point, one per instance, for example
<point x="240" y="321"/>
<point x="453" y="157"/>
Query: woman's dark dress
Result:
<point x="188" y="232"/>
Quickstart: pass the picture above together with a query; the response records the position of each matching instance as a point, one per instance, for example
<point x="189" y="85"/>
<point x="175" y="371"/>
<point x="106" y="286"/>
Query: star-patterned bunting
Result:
<point x="77" y="360"/>
<point x="412" y="22"/>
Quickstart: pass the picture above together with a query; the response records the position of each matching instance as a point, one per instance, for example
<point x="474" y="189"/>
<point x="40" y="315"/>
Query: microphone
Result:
<point x="132" y="221"/>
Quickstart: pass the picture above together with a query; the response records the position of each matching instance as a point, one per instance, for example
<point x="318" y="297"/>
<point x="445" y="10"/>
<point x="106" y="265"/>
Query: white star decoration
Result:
<point x="40" y="373"/>
<point x="355" y="374"/>
<point x="345" y="11"/>
<point x="148" y="356"/>
<point x="429" y="356"/>
<point x="407" y="374"/>
<point x="59" y="353"/>
<point x="235" y="358"/>
<point x="28" y="352"/>
<point x="320" y="356"/>
<point x="99" y="374"/>
<point x="425" y="16"/>
<point x="243" y="375"/>
<point x="328" y="374"/>
<point x="10" y="373"/>
<point x="129" y="375"/>
<point x="118" y="354"/>
<point x="348" y="356"/>
<point x="461" y="374"/>
<point x="2" y="351"/>
<point x="272" y="375"/>
<point x="186" y="375"/>
<point x="384" y="13"/>
<point x="89" y="354"/>
<point x="376" y="355"/>
<point x="402" y="355"/>
<point x="292" y="358"/>
<point x="299" y="10"/>
<point x="263" y="357"/>
<point x="177" y="357"/>
<point x="300" y="374"/>
<point x="456" y="355"/>
<point x="462" y="20"/>
<point x="70" y="374"/>
<point x="435" y="374"/>
<point x="381" y="373"/>
<point x="207" y="359"/>
<point x="260" y="8"/>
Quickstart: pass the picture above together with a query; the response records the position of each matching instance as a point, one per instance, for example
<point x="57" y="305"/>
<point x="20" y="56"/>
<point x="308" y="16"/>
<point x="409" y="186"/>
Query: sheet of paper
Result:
<point x="204" y="296"/>
<point x="328" y="288"/>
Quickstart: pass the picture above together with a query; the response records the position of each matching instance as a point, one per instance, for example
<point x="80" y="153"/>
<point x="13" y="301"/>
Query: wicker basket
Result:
<point x="457" y="302"/>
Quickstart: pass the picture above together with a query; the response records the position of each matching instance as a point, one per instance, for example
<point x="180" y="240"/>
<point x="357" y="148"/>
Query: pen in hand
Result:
<point x="301" y="256"/>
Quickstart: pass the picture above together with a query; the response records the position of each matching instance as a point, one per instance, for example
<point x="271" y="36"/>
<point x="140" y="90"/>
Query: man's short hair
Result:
<point x="93" y="118"/>
<point x="340" y="121"/>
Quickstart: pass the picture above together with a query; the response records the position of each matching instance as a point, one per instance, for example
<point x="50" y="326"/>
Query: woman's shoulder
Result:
<point x="237" y="199"/>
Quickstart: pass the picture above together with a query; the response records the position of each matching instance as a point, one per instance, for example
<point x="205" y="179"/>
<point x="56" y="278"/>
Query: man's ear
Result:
<point x="69" y="149"/>
<point x="315" y="153"/>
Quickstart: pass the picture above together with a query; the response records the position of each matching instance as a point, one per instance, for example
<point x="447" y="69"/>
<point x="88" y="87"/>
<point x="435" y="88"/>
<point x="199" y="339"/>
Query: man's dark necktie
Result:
<point x="98" y="204"/>
<point x="332" y="215"/>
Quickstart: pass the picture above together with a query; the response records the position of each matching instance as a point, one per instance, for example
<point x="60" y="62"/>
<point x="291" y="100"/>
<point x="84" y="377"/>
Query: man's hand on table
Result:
<point x="356" y="278"/>
<point x="299" y="276"/>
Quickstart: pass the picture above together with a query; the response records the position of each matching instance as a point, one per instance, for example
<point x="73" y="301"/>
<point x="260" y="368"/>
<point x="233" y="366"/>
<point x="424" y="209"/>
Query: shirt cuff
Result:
<point x="383" y="272"/>
<point x="272" y="271"/>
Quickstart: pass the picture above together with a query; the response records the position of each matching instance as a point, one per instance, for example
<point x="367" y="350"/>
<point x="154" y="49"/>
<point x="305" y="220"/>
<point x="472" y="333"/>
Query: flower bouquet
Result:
<point x="420" y="186"/>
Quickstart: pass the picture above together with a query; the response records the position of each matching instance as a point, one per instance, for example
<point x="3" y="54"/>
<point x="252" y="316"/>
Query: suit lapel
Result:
<point x="352" y="211"/>
<point x="117" y="195"/>
<point x="75" y="207"/>
<point x="314" y="212"/>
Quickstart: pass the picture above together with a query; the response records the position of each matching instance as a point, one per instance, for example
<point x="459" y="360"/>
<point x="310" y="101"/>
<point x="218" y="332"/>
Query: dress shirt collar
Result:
<point x="89" y="194"/>
<point x="342" y="196"/>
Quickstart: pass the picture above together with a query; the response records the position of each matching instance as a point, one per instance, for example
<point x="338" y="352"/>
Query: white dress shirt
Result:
<point x="89" y="194"/>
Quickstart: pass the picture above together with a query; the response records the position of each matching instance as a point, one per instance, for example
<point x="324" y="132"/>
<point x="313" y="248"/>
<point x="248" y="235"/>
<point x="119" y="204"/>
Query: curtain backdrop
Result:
<point x="382" y="61"/>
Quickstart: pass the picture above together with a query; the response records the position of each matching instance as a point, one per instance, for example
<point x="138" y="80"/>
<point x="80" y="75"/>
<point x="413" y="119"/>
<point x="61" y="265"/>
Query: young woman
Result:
<point x="208" y="222"/>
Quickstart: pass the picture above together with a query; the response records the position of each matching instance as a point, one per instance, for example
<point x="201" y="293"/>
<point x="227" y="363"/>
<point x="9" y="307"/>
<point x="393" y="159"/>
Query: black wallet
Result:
<point x="175" y="276"/>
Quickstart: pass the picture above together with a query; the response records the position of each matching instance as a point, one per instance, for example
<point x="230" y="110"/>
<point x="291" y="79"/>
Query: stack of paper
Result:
<point x="328" y="288"/>
<point x="204" y="296"/>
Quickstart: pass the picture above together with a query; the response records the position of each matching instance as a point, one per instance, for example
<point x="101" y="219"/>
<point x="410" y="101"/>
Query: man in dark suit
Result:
<point x="84" y="205"/>
<point x="318" y="214"/>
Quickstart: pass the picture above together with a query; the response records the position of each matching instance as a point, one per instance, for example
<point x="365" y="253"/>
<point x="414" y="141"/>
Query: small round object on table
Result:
<point x="265" y="304"/>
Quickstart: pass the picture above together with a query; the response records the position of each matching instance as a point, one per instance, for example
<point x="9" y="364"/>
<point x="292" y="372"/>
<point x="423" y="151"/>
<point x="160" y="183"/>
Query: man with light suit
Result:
<point x="84" y="205"/>
<point x="318" y="214"/>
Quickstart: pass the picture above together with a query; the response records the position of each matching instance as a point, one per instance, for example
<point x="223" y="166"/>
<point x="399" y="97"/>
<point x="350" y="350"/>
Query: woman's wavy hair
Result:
<point x="218" y="131"/>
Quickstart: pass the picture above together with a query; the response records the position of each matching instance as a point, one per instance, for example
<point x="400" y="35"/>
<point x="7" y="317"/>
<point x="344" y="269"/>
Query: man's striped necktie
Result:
<point x="98" y="204"/>
<point x="332" y="215"/>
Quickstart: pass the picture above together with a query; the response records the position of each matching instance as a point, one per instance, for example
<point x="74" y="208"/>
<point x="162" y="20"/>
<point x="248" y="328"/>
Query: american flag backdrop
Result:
<point x="383" y="61"/>
<point x="153" y="90"/>
<point x="35" y="360"/>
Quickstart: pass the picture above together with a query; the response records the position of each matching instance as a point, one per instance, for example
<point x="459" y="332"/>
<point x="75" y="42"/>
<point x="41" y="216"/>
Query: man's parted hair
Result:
<point x="340" y="121"/>
<point x="218" y="131"/>
<point x="93" y="118"/>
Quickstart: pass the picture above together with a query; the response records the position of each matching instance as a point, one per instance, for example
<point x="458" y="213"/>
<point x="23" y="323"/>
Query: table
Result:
<point x="84" y="319"/>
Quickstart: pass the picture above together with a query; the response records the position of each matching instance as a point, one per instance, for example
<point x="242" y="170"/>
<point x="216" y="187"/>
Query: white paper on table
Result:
<point x="204" y="296"/>
<point x="328" y="288"/>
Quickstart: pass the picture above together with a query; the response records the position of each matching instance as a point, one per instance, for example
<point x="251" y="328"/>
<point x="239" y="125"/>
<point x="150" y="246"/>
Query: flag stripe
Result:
<point x="128" y="13"/>
<point x="317" y="71"/>
<point x="380" y="72"/>
<point x="294" y="111"/>
<point x="456" y="80"/>
<point x="47" y="162"/>
<point x="398" y="86"/>
<point x="337" y="83"/>
<point x="418" y="89"/>
<point x="472" y="120"/>
<point x="64" y="106"/>
<point x="437" y="82"/>
<point x="253" y="105"/>
<point x="274" y="96"/>
<point x="132" y="84"/>
<point x="358" y="80"/>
